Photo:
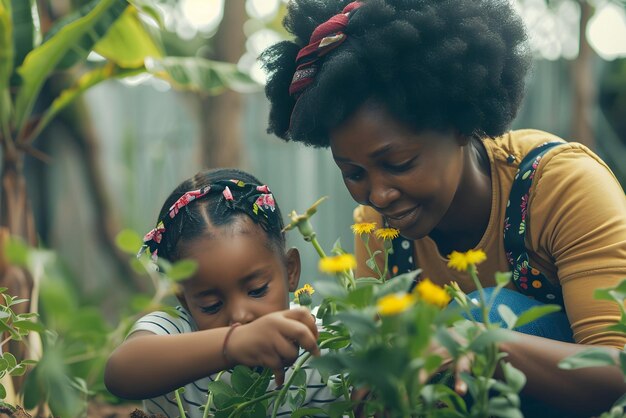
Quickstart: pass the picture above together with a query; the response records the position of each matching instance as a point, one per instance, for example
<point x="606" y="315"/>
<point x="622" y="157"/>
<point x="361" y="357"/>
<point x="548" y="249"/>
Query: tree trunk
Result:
<point x="583" y="83"/>
<point x="221" y="115"/>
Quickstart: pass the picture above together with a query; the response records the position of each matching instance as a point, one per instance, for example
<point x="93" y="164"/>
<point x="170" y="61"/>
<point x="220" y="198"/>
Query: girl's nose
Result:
<point x="239" y="313"/>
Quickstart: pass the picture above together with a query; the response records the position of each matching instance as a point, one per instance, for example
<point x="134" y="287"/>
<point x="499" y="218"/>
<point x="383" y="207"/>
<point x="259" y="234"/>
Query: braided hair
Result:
<point x="213" y="198"/>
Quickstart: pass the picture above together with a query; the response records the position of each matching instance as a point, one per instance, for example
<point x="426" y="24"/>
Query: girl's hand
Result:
<point x="274" y="340"/>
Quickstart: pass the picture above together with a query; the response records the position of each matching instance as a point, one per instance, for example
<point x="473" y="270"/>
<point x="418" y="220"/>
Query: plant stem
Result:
<point x="366" y="241"/>
<point x="283" y="391"/>
<point x="483" y="301"/>
<point x="246" y="404"/>
<point x="179" y="402"/>
<point x="209" y="400"/>
<point x="346" y="394"/>
<point x="297" y="366"/>
<point x="318" y="247"/>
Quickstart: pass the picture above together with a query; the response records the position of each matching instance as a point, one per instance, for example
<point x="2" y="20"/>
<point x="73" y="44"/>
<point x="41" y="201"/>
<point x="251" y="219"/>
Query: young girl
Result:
<point x="234" y="309"/>
<point x="414" y="99"/>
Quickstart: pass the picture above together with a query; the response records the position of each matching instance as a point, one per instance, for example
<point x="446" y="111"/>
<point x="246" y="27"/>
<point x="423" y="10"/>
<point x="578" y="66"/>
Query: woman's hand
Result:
<point x="274" y="340"/>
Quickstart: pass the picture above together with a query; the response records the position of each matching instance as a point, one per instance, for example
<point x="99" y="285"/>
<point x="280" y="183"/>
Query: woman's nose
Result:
<point x="381" y="194"/>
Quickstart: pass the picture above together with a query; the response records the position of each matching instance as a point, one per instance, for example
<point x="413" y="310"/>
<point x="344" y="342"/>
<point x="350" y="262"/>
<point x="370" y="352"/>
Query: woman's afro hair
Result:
<point x="433" y="64"/>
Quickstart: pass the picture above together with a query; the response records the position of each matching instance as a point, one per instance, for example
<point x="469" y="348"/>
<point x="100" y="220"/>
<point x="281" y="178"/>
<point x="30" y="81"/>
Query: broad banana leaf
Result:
<point x="85" y="82"/>
<point x="128" y="43"/>
<point x="23" y="30"/>
<point x="88" y="40"/>
<point x="41" y="61"/>
<point x="201" y="75"/>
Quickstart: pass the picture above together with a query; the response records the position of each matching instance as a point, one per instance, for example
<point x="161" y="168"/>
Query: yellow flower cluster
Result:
<point x="337" y="264"/>
<point x="387" y="233"/>
<point x="461" y="261"/>
<point x="363" y="228"/>
<point x="307" y="288"/>
<point x="431" y="293"/>
<point x="395" y="303"/>
<point x="399" y="302"/>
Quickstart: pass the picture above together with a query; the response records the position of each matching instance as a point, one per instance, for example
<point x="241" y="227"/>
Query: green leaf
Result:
<point x="501" y="407"/>
<point x="357" y="322"/>
<point x="241" y="379"/>
<point x="622" y="362"/>
<point x="617" y="293"/>
<point x="3" y="392"/>
<point x="490" y="336"/>
<point x="449" y="343"/>
<point x="300" y="378"/>
<point x="400" y="283"/>
<point x="534" y="313"/>
<point x="23" y="30"/>
<point x="515" y="378"/>
<point x="6" y="53"/>
<point x="85" y="82"/>
<point x="87" y="41"/>
<point x="16" y="251"/>
<point x="507" y="315"/>
<point x="304" y="412"/>
<point x="29" y="325"/>
<point x="331" y="289"/>
<point x="503" y="278"/>
<point x="361" y="297"/>
<point x="201" y="75"/>
<point x="10" y="359"/>
<point x="222" y="393"/>
<point x="182" y="270"/>
<point x="80" y="34"/>
<point x="128" y="241"/>
<point x="128" y="43"/>
<point x="593" y="357"/>
<point x="337" y="248"/>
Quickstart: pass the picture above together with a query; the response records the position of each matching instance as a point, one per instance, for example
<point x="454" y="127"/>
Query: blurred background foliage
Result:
<point x="173" y="87"/>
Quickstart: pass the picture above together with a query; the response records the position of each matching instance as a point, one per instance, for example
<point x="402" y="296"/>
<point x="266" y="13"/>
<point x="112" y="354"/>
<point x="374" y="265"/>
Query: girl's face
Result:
<point x="409" y="178"/>
<point x="240" y="275"/>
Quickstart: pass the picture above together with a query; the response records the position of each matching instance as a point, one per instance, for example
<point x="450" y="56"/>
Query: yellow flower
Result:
<point x="394" y="304"/>
<point x="307" y="288"/>
<point x="431" y="293"/>
<point x="337" y="263"/>
<point x="363" y="228"/>
<point x="387" y="233"/>
<point x="461" y="261"/>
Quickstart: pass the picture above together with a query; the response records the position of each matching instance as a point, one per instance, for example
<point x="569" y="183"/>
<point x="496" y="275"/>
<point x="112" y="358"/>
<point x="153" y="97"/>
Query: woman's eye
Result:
<point x="259" y="291"/>
<point x="211" y="309"/>
<point x="353" y="175"/>
<point x="399" y="168"/>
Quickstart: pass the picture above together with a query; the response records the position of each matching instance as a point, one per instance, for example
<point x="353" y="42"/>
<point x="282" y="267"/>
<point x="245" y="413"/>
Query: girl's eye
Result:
<point x="211" y="309"/>
<point x="259" y="292"/>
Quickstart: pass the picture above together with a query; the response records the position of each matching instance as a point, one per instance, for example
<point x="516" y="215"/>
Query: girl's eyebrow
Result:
<point x="245" y="279"/>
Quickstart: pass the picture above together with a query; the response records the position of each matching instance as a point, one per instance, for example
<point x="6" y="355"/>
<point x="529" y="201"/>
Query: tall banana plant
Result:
<point x="112" y="28"/>
<point x="115" y="30"/>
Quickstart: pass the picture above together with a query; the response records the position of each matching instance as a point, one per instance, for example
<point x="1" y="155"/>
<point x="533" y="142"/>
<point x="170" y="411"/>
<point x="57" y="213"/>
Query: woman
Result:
<point x="414" y="99"/>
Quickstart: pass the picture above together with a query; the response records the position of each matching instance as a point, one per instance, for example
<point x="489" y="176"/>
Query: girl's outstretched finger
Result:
<point x="279" y="376"/>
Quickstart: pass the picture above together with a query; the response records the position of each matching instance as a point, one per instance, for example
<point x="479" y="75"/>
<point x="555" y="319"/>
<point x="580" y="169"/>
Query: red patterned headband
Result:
<point x="325" y="38"/>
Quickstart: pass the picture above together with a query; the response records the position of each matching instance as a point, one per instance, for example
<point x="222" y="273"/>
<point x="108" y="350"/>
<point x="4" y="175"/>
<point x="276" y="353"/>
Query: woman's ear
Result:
<point x="461" y="139"/>
<point x="293" y="268"/>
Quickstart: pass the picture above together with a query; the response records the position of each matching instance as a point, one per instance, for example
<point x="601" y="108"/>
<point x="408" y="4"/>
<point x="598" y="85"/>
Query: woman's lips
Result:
<point x="405" y="219"/>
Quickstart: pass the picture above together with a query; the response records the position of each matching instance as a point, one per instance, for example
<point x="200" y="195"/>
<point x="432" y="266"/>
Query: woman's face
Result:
<point x="409" y="178"/>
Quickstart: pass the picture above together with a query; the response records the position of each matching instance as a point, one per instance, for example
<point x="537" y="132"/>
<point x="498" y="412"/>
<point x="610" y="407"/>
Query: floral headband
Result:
<point x="254" y="200"/>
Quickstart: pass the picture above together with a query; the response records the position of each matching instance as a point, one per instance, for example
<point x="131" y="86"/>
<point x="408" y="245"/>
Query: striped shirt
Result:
<point x="195" y="394"/>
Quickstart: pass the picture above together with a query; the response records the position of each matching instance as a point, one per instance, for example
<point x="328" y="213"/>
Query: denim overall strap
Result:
<point x="527" y="279"/>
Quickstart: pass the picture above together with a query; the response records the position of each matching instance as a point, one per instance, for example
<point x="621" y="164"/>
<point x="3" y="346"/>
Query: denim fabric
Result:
<point x="554" y="326"/>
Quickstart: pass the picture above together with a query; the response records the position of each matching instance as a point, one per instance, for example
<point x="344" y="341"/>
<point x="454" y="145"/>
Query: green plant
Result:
<point x="597" y="356"/>
<point x="401" y="347"/>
